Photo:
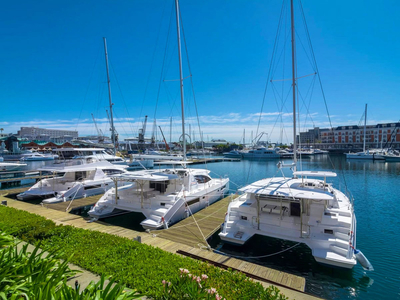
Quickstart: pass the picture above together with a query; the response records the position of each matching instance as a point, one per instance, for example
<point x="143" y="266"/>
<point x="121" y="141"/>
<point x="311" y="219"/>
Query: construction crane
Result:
<point x="165" y="141"/>
<point x="142" y="132"/>
<point x="153" y="134"/>
<point x="99" y="132"/>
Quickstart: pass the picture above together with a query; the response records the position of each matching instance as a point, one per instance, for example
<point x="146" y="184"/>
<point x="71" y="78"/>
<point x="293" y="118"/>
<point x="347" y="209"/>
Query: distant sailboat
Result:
<point x="366" y="154"/>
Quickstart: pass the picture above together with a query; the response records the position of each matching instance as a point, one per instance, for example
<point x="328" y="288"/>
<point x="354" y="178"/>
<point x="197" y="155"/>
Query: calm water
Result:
<point x="375" y="187"/>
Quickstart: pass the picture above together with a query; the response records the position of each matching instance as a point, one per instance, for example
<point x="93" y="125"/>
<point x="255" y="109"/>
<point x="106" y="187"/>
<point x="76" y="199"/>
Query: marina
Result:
<point x="236" y="142"/>
<point x="320" y="281"/>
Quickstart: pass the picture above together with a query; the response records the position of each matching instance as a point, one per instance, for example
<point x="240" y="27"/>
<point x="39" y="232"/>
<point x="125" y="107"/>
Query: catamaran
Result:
<point x="163" y="196"/>
<point x="304" y="208"/>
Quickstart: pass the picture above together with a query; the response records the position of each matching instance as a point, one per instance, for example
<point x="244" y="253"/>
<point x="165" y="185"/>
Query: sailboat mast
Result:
<point x="293" y="86"/>
<point x="181" y="78"/>
<point x="365" y="126"/>
<point x="109" y="96"/>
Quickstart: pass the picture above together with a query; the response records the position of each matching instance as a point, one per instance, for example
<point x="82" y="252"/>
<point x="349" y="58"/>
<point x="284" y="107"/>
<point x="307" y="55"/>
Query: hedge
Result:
<point x="136" y="265"/>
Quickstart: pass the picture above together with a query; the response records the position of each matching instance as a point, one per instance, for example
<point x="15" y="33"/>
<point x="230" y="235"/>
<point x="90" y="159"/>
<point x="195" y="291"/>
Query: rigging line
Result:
<point x="315" y="61"/>
<point x="192" y="85"/>
<point x="252" y="257"/>
<point x="276" y="58"/>
<point x="194" y="219"/>
<point x="279" y="108"/>
<point x="305" y="52"/>
<point x="309" y="103"/>
<point x="181" y="226"/>
<point x="288" y="79"/>
<point x="282" y="54"/>
<point x="87" y="90"/>
<point x="268" y="77"/>
<point x="163" y="64"/>
<point x="122" y="96"/>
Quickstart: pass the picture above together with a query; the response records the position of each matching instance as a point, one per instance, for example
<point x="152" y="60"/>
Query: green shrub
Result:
<point x="136" y="265"/>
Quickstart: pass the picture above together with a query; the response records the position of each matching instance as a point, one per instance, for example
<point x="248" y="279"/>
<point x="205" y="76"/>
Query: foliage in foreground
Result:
<point x="137" y="265"/>
<point x="38" y="275"/>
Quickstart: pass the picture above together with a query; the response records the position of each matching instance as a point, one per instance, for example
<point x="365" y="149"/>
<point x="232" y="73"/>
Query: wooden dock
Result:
<point x="194" y="230"/>
<point x="184" y="237"/>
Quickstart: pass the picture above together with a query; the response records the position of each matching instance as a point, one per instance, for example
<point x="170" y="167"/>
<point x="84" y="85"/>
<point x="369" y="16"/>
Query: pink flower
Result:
<point x="218" y="297"/>
<point x="198" y="279"/>
<point x="164" y="282"/>
<point x="204" y="277"/>
<point x="184" y="271"/>
<point x="211" y="291"/>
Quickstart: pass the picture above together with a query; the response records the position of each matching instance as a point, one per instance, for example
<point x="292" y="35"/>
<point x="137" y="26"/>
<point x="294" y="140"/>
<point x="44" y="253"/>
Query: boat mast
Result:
<point x="365" y="126"/>
<point x="181" y="78"/>
<point x="293" y="86"/>
<point x="109" y="97"/>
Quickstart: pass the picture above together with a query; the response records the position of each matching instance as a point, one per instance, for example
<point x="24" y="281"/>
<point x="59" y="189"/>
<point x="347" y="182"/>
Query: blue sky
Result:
<point x="53" y="70"/>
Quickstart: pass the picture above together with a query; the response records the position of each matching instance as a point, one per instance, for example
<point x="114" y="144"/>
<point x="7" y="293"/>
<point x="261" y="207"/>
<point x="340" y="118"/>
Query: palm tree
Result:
<point x="1" y="130"/>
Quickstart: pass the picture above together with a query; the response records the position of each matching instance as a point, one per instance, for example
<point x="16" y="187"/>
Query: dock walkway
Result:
<point x="184" y="237"/>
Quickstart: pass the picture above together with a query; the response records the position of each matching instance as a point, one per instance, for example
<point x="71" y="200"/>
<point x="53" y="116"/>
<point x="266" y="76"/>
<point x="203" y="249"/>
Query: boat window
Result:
<point x="92" y="187"/>
<point x="294" y="209"/>
<point x="243" y="217"/>
<point x="79" y="175"/>
<point x="193" y="201"/>
<point x="112" y="171"/>
<point x="160" y="186"/>
<point x="329" y="231"/>
<point x="202" y="178"/>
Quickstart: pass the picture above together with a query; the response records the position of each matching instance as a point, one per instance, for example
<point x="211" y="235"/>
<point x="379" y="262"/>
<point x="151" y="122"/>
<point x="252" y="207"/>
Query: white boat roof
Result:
<point x="173" y="162"/>
<point x="78" y="149"/>
<point x="147" y="176"/>
<point x="82" y="167"/>
<point x="286" y="187"/>
<point x="315" y="173"/>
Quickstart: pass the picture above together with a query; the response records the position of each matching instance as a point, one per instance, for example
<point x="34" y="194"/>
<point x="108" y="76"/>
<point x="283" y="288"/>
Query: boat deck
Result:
<point x="184" y="238"/>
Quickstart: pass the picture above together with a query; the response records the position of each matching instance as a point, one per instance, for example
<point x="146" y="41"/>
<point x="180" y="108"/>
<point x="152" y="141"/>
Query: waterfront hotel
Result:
<point x="351" y="137"/>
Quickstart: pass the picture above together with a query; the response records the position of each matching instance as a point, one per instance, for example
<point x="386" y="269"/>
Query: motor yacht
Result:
<point x="36" y="156"/>
<point x="233" y="154"/>
<point x="70" y="182"/>
<point x="262" y="153"/>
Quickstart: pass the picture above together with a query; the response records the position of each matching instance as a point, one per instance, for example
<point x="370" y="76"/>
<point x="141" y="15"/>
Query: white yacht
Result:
<point x="368" y="155"/>
<point x="372" y="154"/>
<point x="140" y="163"/>
<point x="392" y="156"/>
<point x="157" y="157"/>
<point x="35" y="156"/>
<point x="73" y="182"/>
<point x="262" y="153"/>
<point x="6" y="166"/>
<point x="233" y="154"/>
<point x="301" y="208"/>
<point x="97" y="154"/>
<point x="163" y="196"/>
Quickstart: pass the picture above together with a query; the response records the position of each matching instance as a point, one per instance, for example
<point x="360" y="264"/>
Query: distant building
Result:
<point x="352" y="137"/>
<point x="47" y="135"/>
